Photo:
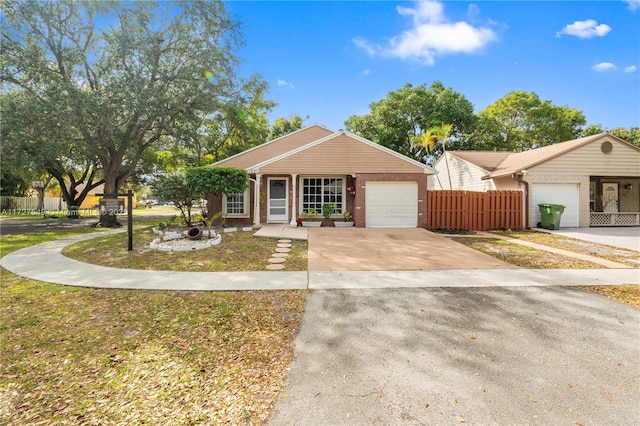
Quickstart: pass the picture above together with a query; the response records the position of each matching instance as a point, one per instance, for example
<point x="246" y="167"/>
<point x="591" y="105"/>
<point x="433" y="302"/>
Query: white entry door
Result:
<point x="277" y="201"/>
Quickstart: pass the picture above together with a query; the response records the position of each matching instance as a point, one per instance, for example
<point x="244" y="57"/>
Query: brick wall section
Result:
<point x="359" y="211"/>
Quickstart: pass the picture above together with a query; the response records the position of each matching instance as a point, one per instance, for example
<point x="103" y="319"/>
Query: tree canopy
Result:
<point x="283" y="126"/>
<point x="407" y="112"/>
<point x="521" y="120"/>
<point x="113" y="79"/>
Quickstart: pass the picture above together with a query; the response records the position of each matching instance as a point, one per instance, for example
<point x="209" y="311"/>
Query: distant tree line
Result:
<point x="409" y="119"/>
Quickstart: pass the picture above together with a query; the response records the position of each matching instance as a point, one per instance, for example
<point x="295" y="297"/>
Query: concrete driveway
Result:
<point x="625" y="237"/>
<point x="374" y="249"/>
<point x="526" y="356"/>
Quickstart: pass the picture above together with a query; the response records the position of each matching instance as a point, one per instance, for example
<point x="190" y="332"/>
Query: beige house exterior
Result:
<point x="300" y="172"/>
<point x="596" y="178"/>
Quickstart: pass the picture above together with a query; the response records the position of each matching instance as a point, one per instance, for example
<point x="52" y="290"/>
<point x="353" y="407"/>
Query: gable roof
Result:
<point x="498" y="164"/>
<point x="339" y="152"/>
<point x="276" y="147"/>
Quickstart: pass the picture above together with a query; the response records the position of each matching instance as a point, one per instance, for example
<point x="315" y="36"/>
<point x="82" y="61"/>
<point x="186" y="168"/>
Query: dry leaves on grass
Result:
<point x="85" y="356"/>
<point x="615" y="254"/>
<point x="525" y="257"/>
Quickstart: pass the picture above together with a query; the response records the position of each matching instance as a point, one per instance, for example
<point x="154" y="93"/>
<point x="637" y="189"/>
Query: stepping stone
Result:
<point x="276" y="260"/>
<point x="285" y="245"/>
<point x="275" y="266"/>
<point x="280" y="255"/>
<point x="284" y="241"/>
<point x="283" y="250"/>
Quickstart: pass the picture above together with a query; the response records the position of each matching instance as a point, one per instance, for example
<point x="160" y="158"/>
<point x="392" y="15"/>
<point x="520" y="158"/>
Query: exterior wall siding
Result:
<point x="341" y="155"/>
<point x="463" y="175"/>
<point x="589" y="159"/>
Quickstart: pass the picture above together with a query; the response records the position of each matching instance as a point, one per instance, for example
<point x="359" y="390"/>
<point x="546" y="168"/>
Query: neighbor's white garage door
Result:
<point x="566" y="194"/>
<point x="391" y="204"/>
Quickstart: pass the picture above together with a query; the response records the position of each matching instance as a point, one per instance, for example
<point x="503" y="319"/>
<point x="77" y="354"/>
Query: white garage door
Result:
<point x="566" y="194"/>
<point x="391" y="204"/>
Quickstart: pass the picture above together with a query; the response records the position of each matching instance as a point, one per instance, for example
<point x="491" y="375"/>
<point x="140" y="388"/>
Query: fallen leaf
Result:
<point x="460" y="418"/>
<point x="317" y="394"/>
<point x="570" y="385"/>
<point x="426" y="405"/>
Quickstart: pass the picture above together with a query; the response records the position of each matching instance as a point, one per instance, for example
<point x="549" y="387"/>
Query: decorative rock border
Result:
<point x="183" y="244"/>
<point x="276" y="262"/>
<point x="179" y="241"/>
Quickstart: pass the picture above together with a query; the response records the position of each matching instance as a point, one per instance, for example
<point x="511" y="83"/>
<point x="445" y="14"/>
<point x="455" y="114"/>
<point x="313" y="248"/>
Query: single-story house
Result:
<point x="596" y="178"/>
<point x="306" y="169"/>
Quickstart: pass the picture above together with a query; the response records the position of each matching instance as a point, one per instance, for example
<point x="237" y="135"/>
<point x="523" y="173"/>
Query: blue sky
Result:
<point x="331" y="59"/>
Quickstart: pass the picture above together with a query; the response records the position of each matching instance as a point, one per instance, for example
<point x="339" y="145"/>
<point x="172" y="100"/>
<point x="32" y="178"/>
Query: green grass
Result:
<point x="9" y="243"/>
<point x="238" y="251"/>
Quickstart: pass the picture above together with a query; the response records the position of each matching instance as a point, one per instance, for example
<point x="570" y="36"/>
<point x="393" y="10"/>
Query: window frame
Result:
<point x="245" y="204"/>
<point x="340" y="207"/>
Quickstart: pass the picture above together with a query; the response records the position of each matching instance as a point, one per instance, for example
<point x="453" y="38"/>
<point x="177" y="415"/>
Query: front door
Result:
<point x="277" y="201"/>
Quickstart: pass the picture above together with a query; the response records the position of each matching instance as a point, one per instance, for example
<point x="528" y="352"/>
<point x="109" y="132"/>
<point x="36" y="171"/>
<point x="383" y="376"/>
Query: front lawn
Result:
<point x="123" y="357"/>
<point x="238" y="251"/>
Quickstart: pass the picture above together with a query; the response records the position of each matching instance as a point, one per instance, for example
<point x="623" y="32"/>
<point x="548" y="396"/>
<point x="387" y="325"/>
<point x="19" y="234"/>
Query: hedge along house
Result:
<point x="596" y="178"/>
<point x="314" y="166"/>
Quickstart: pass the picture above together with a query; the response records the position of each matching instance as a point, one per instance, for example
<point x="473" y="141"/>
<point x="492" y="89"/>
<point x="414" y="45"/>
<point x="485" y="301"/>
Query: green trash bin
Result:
<point x="550" y="215"/>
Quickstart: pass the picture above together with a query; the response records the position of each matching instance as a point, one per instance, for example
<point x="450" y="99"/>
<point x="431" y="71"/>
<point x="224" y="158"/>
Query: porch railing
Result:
<point x="615" y="219"/>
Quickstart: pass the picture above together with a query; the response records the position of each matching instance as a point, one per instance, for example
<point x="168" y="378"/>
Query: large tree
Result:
<point x="121" y="75"/>
<point x="283" y="126"/>
<point x="521" y="120"/>
<point x="410" y="111"/>
<point x="36" y="143"/>
<point x="239" y="124"/>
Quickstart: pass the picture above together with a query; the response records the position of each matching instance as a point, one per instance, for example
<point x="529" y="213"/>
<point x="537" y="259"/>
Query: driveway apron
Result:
<point x="367" y="249"/>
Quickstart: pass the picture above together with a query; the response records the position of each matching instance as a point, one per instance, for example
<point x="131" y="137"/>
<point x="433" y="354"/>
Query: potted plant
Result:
<point x="308" y="218"/>
<point x="327" y="211"/>
<point x="347" y="220"/>
<point x="351" y="189"/>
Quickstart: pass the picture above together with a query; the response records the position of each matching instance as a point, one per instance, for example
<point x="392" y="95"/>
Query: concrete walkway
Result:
<point x="44" y="262"/>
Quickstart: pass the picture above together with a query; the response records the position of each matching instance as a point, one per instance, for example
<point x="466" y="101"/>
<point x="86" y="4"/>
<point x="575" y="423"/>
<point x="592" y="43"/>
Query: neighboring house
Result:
<point x="596" y="178"/>
<point x="313" y="166"/>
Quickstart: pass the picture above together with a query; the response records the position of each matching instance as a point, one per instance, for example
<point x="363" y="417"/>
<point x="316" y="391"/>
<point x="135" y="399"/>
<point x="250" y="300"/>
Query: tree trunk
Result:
<point x="108" y="219"/>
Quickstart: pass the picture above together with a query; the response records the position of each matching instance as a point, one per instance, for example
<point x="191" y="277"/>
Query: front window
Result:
<point x="317" y="191"/>
<point x="236" y="204"/>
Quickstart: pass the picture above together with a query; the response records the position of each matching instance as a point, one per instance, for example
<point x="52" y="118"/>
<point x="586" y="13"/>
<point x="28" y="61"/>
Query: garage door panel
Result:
<point x="566" y="194"/>
<point x="392" y="204"/>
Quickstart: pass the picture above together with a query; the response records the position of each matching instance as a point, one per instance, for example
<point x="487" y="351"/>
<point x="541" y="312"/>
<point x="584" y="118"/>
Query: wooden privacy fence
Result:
<point x="474" y="211"/>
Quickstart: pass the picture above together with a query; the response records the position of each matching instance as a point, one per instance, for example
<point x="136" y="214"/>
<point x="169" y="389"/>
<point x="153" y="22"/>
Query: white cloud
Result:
<point x="284" y="83"/>
<point x="604" y="66"/>
<point x="366" y="71"/>
<point x="633" y="4"/>
<point x="585" y="29"/>
<point x="430" y="35"/>
<point x="630" y="69"/>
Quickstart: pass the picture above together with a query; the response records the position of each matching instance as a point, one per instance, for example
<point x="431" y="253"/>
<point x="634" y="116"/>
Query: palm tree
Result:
<point x="428" y="139"/>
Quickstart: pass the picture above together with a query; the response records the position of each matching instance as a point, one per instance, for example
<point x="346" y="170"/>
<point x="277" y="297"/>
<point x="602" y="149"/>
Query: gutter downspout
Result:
<point x="519" y="179"/>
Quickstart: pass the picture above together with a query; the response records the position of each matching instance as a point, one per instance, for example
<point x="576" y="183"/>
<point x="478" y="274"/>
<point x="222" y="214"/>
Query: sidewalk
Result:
<point x="44" y="262"/>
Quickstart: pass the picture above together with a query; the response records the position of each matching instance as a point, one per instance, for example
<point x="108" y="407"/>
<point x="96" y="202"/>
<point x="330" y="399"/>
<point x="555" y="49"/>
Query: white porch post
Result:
<point x="294" y="199"/>
<point x="256" y="200"/>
